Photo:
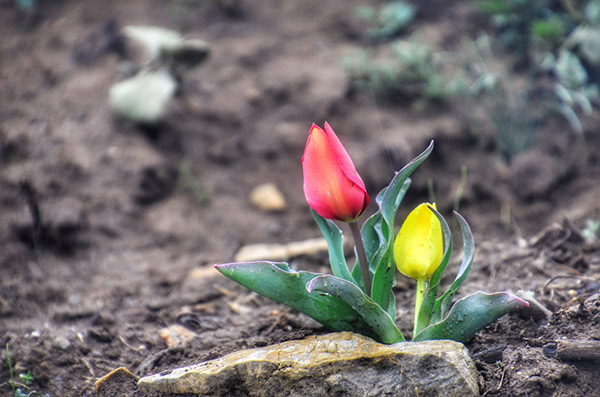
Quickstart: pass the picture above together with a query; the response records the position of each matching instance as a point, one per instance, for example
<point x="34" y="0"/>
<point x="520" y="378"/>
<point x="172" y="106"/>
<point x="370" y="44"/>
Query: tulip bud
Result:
<point x="332" y="186"/>
<point x="419" y="247"/>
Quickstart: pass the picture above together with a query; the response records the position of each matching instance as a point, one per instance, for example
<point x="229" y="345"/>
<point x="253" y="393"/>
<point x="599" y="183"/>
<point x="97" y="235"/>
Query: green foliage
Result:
<point x="281" y="284"/>
<point x="470" y="315"/>
<point x="584" y="41"/>
<point x="27" y="6"/>
<point x="27" y="378"/>
<point x="558" y="45"/>
<point x="591" y="231"/>
<point x="563" y="41"/>
<point x="390" y="20"/>
<point x="592" y="12"/>
<point x="341" y="301"/>
<point x="501" y="100"/>
<point x="551" y="30"/>
<point x="378" y="230"/>
<point x="524" y="24"/>
<point x="573" y="92"/>
<point x="188" y="182"/>
<point x="410" y="71"/>
<point x="570" y="71"/>
<point x="379" y="321"/>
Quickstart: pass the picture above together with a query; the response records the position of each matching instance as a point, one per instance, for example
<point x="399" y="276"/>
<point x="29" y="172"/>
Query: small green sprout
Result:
<point x="27" y="378"/>
<point x="591" y="231"/>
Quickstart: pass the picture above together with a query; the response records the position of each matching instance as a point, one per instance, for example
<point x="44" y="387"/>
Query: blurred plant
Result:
<point x="524" y="25"/>
<point x="412" y="71"/>
<point x="28" y="10"/>
<point x="572" y="89"/>
<point x="390" y="20"/>
<point x="17" y="386"/>
<point x="591" y="231"/>
<point x="187" y="181"/>
<point x="361" y="299"/>
<point x="144" y="97"/>
<point x="501" y="99"/>
<point x="561" y="41"/>
<point x="576" y="67"/>
<point x="26" y="6"/>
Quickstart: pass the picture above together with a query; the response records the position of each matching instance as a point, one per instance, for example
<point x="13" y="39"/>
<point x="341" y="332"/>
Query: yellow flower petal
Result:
<point x="419" y="247"/>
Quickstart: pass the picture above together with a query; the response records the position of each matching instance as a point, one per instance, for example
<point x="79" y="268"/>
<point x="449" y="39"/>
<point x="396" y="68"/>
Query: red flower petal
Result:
<point x="332" y="186"/>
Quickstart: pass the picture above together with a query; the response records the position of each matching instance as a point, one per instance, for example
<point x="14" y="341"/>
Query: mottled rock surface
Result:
<point x="340" y="364"/>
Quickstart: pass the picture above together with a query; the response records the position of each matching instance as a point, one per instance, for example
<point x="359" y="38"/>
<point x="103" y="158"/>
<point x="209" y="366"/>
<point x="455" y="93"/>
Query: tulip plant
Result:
<point x="360" y="299"/>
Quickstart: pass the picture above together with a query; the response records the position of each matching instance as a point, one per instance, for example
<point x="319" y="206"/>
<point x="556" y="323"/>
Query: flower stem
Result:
<point x="421" y="287"/>
<point x="362" y="256"/>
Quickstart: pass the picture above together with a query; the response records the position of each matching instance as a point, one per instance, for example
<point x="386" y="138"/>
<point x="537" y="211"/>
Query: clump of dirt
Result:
<point x="109" y="230"/>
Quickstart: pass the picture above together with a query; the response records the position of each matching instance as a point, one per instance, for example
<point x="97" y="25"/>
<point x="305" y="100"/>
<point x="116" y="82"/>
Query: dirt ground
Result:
<point x="108" y="230"/>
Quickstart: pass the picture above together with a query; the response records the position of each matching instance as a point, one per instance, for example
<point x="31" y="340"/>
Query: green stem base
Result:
<point x="421" y="287"/>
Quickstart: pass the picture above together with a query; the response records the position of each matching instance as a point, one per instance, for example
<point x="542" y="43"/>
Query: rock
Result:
<point x="119" y="382"/>
<point x="341" y="363"/>
<point x="61" y="342"/>
<point x="281" y="252"/>
<point x="143" y="98"/>
<point x="176" y="335"/>
<point x="268" y="198"/>
<point x="202" y="272"/>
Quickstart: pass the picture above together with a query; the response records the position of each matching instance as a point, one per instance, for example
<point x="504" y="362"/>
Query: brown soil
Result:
<point x="105" y="247"/>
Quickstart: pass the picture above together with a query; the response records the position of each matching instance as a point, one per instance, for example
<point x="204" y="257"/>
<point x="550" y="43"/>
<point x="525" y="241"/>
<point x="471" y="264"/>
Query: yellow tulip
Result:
<point x="419" y="247"/>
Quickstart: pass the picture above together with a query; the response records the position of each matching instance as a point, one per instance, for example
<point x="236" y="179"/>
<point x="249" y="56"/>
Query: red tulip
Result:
<point x="332" y="186"/>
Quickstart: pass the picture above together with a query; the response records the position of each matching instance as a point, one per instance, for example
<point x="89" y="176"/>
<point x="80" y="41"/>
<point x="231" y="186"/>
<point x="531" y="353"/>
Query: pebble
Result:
<point x="267" y="197"/>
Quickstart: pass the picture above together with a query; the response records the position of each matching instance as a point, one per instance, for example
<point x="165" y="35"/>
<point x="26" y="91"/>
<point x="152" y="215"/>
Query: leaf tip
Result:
<point x="521" y="303"/>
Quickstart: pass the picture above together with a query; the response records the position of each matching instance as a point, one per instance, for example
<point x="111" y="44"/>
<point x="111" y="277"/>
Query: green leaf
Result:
<point x="381" y="262"/>
<point x="430" y="296"/>
<point x="393" y="18"/>
<point x="371" y="231"/>
<point x="494" y="7"/>
<point x="569" y="114"/>
<point x="470" y="315"/>
<point x="276" y="281"/>
<point x="381" y="324"/>
<point x="27" y="378"/>
<point x="592" y="12"/>
<point x="335" y="243"/>
<point x="552" y="29"/>
<point x="570" y="71"/>
<point x="383" y="281"/>
<point x="442" y="304"/>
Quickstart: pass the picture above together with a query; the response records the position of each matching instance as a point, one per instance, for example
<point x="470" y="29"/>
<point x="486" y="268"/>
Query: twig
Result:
<point x="89" y="367"/>
<point x="580" y="278"/>
<point x="501" y="379"/>
<point x="568" y="349"/>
